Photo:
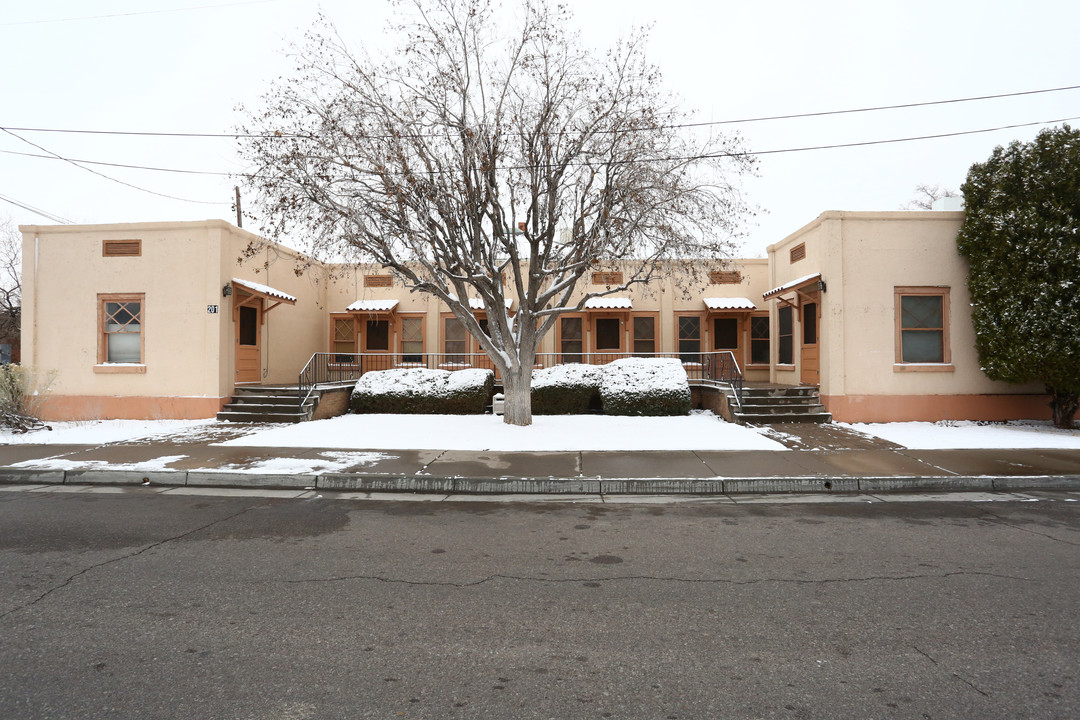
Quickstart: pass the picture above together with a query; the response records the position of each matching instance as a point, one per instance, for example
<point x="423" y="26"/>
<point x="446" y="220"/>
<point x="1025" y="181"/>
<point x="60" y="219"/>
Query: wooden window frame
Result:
<point x="103" y="365"/>
<point x="779" y="337"/>
<point x="900" y="365"/>
<point x="655" y="317"/>
<point x="703" y="341"/>
<point x="584" y="335"/>
<point x="750" y="340"/>
<point x="797" y="253"/>
<point x="333" y="332"/>
<point x="422" y="317"/>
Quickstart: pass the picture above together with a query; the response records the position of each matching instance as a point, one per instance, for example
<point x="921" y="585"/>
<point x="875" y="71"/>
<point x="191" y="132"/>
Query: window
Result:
<point x="725" y="333"/>
<point x="690" y="338"/>
<point x="455" y="341"/>
<point x="570" y="339"/>
<point x="798" y="252"/>
<point x="922" y="327"/>
<point x="759" y="340"/>
<point x="784" y="337"/>
<point x="344" y="338"/>
<point x="809" y="324"/>
<point x="120" y="324"/>
<point x="608" y="334"/>
<point x="644" y="335"/>
<point x="412" y="339"/>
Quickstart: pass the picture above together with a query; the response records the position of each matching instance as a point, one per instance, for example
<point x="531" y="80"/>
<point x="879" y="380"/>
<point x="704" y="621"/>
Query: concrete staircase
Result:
<point x="767" y="405"/>
<point x="257" y="404"/>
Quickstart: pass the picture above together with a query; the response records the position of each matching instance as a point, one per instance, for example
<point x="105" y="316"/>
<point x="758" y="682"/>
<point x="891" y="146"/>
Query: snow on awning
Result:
<point x="264" y="291"/>
<point x="730" y="303"/>
<point x="793" y="285"/>
<point x="608" y="303"/>
<point x="372" y="306"/>
<point x="478" y="304"/>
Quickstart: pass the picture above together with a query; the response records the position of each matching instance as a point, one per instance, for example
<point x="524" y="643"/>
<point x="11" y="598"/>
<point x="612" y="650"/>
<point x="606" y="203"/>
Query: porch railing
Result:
<point x="702" y="368"/>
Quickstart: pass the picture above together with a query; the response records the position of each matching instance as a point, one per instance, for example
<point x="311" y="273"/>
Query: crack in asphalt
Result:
<point x="998" y="520"/>
<point x="655" y="578"/>
<point x="955" y="675"/>
<point x="71" y="578"/>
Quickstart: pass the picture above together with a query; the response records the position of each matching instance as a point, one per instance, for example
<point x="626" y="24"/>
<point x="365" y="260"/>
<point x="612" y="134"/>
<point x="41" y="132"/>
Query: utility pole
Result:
<point x="239" y="216"/>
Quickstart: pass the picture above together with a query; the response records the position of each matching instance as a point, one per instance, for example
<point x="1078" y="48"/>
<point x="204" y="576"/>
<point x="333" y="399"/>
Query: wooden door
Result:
<point x="811" y="333"/>
<point x="248" y="341"/>
<point x="727" y="334"/>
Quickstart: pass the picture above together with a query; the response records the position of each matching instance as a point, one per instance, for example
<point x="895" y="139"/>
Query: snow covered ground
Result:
<point x="964" y="434"/>
<point x="700" y="431"/>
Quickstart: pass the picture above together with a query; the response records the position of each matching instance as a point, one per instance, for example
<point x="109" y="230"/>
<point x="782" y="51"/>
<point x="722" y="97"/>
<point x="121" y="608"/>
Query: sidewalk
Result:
<point x="820" y="459"/>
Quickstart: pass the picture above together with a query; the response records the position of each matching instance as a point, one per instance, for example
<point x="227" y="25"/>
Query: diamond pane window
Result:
<point x="922" y="328"/>
<point x="123" y="331"/>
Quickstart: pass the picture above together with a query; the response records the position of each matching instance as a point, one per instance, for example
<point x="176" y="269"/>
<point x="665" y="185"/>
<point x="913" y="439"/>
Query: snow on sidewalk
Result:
<point x="964" y="434"/>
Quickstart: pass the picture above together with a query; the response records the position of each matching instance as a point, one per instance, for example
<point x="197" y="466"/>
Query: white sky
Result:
<point x="186" y="71"/>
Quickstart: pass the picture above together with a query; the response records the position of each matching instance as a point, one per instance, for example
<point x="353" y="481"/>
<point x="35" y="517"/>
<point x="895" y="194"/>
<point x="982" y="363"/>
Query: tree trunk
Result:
<point x="517" y="387"/>
<point x="1064" y="405"/>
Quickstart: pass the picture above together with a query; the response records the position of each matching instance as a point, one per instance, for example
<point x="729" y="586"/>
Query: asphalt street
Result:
<point x="125" y="604"/>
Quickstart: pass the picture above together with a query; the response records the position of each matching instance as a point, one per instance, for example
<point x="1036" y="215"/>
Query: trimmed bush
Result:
<point x="645" y="386"/>
<point x="423" y="392"/>
<point x="566" y="389"/>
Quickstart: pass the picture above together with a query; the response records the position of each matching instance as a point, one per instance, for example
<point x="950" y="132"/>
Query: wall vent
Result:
<point x="121" y="248"/>
<point x="798" y="252"/>
<point x="725" y="277"/>
<point x="378" y="281"/>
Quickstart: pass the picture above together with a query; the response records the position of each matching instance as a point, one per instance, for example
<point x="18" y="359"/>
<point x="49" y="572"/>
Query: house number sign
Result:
<point x="211" y="310"/>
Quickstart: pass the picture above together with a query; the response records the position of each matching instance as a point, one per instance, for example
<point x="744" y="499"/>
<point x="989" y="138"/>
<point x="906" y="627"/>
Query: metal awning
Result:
<point x="256" y="290"/>
<point x="372" y="306"/>
<point x="609" y="303"/>
<point x="730" y="303"/>
<point x="793" y="285"/>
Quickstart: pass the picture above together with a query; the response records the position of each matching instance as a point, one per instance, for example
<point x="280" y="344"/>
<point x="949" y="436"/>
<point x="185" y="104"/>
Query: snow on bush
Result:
<point x="645" y="386"/>
<point x="571" y="389"/>
<point x="423" y="391"/>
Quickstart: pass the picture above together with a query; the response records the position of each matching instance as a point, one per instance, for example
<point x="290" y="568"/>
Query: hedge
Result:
<point x="423" y="392"/>
<point x="645" y="386"/>
<point x="572" y="389"/>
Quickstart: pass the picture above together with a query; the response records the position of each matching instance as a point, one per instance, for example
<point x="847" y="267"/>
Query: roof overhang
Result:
<point x="258" y="291"/>
<point x="373" y="307"/>
<point x="800" y="286"/>
<point x="730" y="304"/>
<point x="609" y="303"/>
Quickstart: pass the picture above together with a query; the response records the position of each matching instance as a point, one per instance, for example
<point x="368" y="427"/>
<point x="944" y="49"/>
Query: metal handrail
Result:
<point x="325" y="368"/>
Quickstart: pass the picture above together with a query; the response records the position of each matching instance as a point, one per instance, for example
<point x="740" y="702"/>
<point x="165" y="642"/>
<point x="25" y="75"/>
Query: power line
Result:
<point x="137" y="12"/>
<point x="37" y="211"/>
<point x="107" y="177"/>
<point x="748" y="153"/>
<point x="764" y="118"/>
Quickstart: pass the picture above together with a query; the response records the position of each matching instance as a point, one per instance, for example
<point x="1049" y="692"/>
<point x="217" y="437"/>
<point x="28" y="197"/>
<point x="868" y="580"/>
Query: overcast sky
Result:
<point x="184" y="66"/>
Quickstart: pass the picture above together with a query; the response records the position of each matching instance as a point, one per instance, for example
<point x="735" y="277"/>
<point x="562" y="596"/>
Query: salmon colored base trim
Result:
<point x="97" y="407"/>
<point x="904" y="408"/>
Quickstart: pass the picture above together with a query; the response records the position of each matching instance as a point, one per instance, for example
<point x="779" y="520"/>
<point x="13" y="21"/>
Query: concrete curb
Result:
<point x="331" y="482"/>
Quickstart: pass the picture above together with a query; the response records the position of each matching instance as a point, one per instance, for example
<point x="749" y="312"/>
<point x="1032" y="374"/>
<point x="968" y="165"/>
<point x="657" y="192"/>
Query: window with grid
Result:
<point x="455" y="341"/>
<point x="690" y="338"/>
<point x="785" y="343"/>
<point x="570" y="339"/>
<point x="644" y="335"/>
<point x="344" y="338"/>
<point x="121" y="328"/>
<point x="759" y="339"/>
<point x="412" y="339"/>
<point x="922" y="325"/>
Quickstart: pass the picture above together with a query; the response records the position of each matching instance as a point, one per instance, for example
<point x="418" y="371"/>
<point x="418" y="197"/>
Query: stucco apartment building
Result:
<point x="165" y="320"/>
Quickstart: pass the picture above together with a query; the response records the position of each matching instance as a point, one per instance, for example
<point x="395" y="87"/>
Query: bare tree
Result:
<point x="10" y="278"/>
<point x="482" y="154"/>
<point x="927" y="195"/>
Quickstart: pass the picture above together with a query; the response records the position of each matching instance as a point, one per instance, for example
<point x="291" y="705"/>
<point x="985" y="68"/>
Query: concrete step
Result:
<point x="250" y="408"/>
<point x="786" y="409"/>
<point x="795" y="391"/>
<point x="261" y="417"/>
<point x="266" y="400"/>
<point x="755" y="419"/>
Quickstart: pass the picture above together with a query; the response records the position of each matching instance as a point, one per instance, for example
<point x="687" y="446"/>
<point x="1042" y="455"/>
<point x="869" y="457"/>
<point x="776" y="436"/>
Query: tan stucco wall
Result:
<point x="862" y="258"/>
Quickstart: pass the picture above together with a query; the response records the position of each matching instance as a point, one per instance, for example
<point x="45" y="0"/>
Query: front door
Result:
<point x="727" y="335"/>
<point x="811" y="355"/>
<point x="248" y="341"/>
<point x="607" y="337"/>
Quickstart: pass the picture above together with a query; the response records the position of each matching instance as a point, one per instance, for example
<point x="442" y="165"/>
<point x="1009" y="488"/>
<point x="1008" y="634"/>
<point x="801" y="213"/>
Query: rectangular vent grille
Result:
<point x="798" y="252"/>
<point x="725" y="277"/>
<point x="607" y="278"/>
<point x="378" y="281"/>
<point x="121" y="248"/>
